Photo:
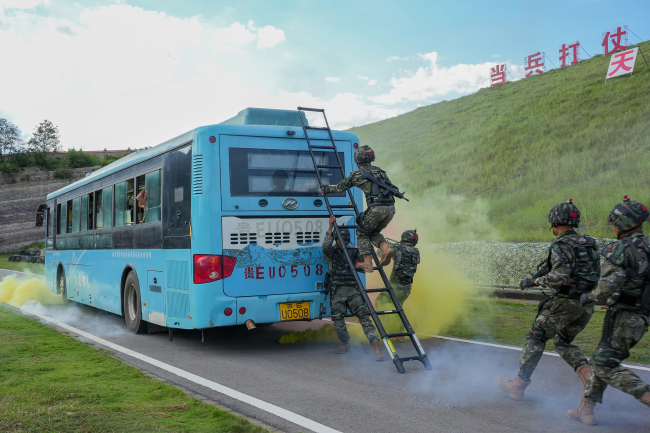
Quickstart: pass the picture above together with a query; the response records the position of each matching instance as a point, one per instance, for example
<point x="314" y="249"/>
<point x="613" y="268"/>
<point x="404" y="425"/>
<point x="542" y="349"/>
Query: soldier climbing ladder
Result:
<point x="397" y="360"/>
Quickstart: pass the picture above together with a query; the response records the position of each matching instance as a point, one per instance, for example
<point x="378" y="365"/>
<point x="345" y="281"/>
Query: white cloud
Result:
<point x="233" y="38"/>
<point x="395" y="58"/>
<point x="269" y="36"/>
<point x="22" y="4"/>
<point x="433" y="80"/>
<point x="336" y="80"/>
<point x="370" y="82"/>
<point x="496" y="56"/>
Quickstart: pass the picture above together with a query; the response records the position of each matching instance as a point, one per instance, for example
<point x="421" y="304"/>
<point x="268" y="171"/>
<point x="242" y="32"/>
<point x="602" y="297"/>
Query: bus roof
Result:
<point x="264" y="122"/>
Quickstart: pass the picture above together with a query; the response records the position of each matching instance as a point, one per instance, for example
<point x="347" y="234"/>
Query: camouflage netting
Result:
<point x="497" y="263"/>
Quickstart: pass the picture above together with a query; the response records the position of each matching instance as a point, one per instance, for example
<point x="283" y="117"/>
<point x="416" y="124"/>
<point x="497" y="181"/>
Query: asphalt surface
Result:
<point x="354" y="393"/>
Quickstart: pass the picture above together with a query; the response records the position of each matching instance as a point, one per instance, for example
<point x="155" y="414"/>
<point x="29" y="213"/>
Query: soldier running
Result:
<point x="345" y="293"/>
<point x="380" y="205"/>
<point x="625" y="285"/>
<point x="574" y="266"/>
<point x="407" y="259"/>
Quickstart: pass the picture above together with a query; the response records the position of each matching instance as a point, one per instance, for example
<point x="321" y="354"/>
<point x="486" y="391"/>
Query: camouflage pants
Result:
<point x="561" y="319"/>
<point x="392" y="323"/>
<point x="626" y="330"/>
<point x="375" y="219"/>
<point x="349" y="298"/>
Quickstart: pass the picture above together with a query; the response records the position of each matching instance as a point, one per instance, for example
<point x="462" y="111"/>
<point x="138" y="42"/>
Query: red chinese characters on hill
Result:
<point x="498" y="75"/>
<point x="534" y="64"/>
<point x="564" y="53"/>
<point x="624" y="61"/>
<point x="615" y="39"/>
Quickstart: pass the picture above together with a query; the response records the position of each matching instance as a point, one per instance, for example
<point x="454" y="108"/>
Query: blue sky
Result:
<point x="117" y="74"/>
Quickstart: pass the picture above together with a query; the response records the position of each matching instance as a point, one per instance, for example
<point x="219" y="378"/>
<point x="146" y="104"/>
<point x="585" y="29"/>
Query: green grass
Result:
<point x="527" y="145"/>
<point x="32" y="268"/>
<point x="52" y="382"/>
<point x="506" y="322"/>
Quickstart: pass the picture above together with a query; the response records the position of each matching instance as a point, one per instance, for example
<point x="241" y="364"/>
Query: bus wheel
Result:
<point x="62" y="287"/>
<point x="133" y="305"/>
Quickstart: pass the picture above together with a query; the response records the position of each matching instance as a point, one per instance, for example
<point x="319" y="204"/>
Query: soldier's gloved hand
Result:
<point x="526" y="283"/>
<point x="585" y="299"/>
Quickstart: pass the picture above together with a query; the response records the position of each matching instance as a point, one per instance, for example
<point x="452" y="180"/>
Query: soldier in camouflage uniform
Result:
<point x="625" y="285"/>
<point x="380" y="206"/>
<point x="345" y="293"/>
<point x="407" y="259"/>
<point x="574" y="267"/>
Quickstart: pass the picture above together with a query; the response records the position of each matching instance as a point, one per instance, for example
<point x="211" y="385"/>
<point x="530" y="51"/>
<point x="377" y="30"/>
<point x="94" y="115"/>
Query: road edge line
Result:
<point x="237" y="395"/>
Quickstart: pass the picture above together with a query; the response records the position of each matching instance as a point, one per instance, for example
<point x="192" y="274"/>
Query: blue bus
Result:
<point x="220" y="226"/>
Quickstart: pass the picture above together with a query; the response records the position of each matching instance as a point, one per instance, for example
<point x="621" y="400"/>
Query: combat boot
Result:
<point x="584" y="412"/>
<point x="386" y="254"/>
<point x="645" y="398"/>
<point x="514" y="388"/>
<point x="583" y="372"/>
<point x="376" y="347"/>
<point x="368" y="266"/>
<point x="344" y="347"/>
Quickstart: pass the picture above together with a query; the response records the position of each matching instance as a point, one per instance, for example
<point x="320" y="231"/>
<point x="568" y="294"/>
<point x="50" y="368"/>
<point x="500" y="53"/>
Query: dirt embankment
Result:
<point x="20" y="195"/>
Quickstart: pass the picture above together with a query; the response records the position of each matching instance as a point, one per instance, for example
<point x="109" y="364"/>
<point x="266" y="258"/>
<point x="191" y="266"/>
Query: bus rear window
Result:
<point x="271" y="172"/>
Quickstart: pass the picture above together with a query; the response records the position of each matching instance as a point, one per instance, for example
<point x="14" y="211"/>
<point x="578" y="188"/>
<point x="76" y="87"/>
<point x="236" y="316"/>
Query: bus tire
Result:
<point x="63" y="286"/>
<point x="133" y="305"/>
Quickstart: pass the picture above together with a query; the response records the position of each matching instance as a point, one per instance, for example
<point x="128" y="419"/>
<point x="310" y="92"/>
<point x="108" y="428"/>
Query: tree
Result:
<point x="10" y="141"/>
<point x="45" y="139"/>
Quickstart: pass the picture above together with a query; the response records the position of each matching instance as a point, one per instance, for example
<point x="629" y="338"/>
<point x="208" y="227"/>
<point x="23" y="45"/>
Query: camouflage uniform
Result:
<point x="407" y="258"/>
<point x="622" y="283"/>
<point x="574" y="270"/>
<point x="345" y="293"/>
<point x="380" y="210"/>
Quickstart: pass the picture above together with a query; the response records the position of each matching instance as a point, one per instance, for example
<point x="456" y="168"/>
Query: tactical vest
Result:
<point x="632" y="254"/>
<point x="404" y="271"/>
<point x="340" y="269"/>
<point x="586" y="265"/>
<point x="379" y="196"/>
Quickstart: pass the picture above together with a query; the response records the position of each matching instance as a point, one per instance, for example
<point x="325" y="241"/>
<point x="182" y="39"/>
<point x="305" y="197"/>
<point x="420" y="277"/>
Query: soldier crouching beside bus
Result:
<point x="625" y="284"/>
<point x="345" y="293"/>
<point x="407" y="259"/>
<point x="380" y="205"/>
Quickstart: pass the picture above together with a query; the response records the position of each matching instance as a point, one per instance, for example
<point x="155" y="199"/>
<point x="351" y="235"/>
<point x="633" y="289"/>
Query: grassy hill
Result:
<point x="522" y="147"/>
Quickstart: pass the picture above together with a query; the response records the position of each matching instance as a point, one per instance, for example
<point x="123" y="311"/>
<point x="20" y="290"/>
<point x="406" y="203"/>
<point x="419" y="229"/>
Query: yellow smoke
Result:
<point x="16" y="291"/>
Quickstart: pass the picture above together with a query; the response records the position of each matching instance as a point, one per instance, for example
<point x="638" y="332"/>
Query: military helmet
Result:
<point x="364" y="155"/>
<point x="628" y="214"/>
<point x="564" y="214"/>
<point x="410" y="236"/>
<point x="345" y="233"/>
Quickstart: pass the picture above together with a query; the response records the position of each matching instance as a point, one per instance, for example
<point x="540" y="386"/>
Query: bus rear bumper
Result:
<point x="266" y="309"/>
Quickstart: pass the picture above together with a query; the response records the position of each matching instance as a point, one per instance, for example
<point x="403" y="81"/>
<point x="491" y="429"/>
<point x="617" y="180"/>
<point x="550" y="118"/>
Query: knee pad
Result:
<point x="608" y="357"/>
<point x="362" y="311"/>
<point x="538" y="333"/>
<point x="565" y="338"/>
<point x="338" y="315"/>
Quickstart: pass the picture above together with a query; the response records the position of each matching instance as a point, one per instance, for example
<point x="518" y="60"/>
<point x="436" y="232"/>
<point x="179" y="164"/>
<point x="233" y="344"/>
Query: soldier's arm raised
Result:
<point x="561" y="266"/>
<point x="343" y="185"/>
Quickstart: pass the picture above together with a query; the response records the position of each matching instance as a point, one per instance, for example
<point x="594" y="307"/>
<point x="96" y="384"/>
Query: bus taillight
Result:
<point x="208" y="268"/>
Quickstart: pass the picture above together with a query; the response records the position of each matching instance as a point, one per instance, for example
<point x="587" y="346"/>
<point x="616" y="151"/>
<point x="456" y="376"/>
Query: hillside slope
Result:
<point x="522" y="147"/>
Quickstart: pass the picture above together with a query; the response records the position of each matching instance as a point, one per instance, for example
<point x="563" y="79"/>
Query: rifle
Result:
<point x="386" y="185"/>
<point x="327" y="288"/>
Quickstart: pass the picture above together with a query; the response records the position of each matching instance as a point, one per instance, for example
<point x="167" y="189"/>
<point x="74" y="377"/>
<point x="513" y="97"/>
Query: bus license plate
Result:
<point x="294" y="311"/>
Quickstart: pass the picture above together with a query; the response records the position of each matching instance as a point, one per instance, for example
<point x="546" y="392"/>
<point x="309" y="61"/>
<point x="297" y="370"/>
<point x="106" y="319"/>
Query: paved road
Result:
<point x="353" y="393"/>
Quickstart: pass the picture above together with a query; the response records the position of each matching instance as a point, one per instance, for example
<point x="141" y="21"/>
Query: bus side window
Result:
<point x="124" y="203"/>
<point x="75" y="214"/>
<point x="68" y="228"/>
<point x="86" y="219"/>
<point x="107" y="201"/>
<point x="140" y="200"/>
<point x="152" y="195"/>
<point x="99" y="210"/>
<point x="63" y="218"/>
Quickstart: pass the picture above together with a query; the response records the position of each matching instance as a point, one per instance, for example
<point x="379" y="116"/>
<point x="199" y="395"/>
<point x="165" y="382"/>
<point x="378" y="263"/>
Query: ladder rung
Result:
<point x="399" y="334"/>
<point x="376" y="290"/>
<point x="381" y="313"/>
<point x="328" y="166"/>
<point x="318" y="110"/>
<point x="412" y="358"/>
<point x="317" y="128"/>
<point x="348" y="227"/>
<point x="342" y="206"/>
<point x="318" y="146"/>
